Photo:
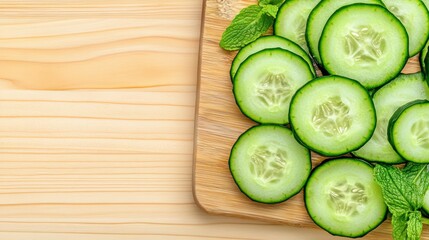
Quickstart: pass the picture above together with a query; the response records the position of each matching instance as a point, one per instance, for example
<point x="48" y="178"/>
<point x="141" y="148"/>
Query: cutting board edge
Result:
<point x="199" y="201"/>
<point x="197" y="108"/>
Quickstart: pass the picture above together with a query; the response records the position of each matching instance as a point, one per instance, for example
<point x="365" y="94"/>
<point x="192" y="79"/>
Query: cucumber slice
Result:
<point x="403" y="89"/>
<point x="342" y="197"/>
<point x="409" y="131"/>
<point x="318" y="18"/>
<point x="265" y="43"/>
<point x="268" y="164"/>
<point x="424" y="59"/>
<point x="332" y="115"/>
<point x="426" y="2"/>
<point x="426" y="75"/>
<point x="291" y="20"/>
<point x="414" y="15"/>
<point x="372" y="44"/>
<point x="265" y="83"/>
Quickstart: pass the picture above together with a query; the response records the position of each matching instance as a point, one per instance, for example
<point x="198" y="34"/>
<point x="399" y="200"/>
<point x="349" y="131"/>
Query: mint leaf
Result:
<point x="399" y="192"/>
<point x="246" y="27"/>
<point x="271" y="10"/>
<point x="419" y="175"/>
<point x="403" y="192"/>
<point x="414" y="225"/>
<point x="271" y="2"/>
<point x="399" y="224"/>
<point x="407" y="226"/>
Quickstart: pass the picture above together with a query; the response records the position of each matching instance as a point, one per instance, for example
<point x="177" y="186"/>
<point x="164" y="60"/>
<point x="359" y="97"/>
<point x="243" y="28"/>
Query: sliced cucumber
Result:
<point x="291" y="20"/>
<point x="332" y="115"/>
<point x="371" y="44"/>
<point x="268" y="164"/>
<point x="424" y="61"/>
<point x="265" y="43"/>
<point x="318" y="18"/>
<point x="414" y="15"/>
<point x="403" y="89"/>
<point x="424" y="58"/>
<point x="409" y="131"/>
<point x="426" y="2"/>
<point x="342" y="197"/>
<point x="265" y="83"/>
<point x="426" y="74"/>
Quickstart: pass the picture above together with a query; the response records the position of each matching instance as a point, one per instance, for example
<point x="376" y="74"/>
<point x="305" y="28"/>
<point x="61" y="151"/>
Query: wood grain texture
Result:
<point x="96" y="124"/>
<point x="220" y="122"/>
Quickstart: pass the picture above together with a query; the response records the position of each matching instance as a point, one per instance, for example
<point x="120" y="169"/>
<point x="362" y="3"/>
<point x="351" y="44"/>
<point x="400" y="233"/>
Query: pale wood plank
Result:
<point x="112" y="44"/>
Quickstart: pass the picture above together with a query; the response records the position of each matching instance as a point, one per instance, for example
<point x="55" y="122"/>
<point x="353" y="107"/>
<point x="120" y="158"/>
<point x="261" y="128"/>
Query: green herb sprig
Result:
<point x="403" y="192"/>
<point x="249" y="24"/>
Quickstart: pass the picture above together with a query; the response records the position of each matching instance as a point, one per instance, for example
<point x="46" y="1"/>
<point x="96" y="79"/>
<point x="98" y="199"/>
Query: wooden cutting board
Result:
<point x="219" y="122"/>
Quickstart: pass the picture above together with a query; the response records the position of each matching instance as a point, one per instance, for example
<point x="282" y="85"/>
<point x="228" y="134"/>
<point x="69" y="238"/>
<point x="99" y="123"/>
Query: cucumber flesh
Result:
<point x="332" y="115"/>
<point x="342" y="197"/>
<point x="371" y="44"/>
<point x="265" y="83"/>
<point x="265" y="43"/>
<point x="291" y="20"/>
<point x="318" y="18"/>
<point x="268" y="164"/>
<point x="414" y="15"/>
<point x="409" y="131"/>
<point x="403" y="89"/>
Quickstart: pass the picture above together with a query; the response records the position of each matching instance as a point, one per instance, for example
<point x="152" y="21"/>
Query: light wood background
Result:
<point x="96" y="124"/>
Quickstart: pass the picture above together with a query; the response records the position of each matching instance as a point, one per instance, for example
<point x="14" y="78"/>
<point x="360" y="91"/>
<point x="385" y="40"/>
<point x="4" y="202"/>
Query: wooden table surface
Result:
<point x="97" y="102"/>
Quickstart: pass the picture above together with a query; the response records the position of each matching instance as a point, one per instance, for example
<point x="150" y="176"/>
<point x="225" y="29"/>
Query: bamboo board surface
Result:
<point x="219" y="122"/>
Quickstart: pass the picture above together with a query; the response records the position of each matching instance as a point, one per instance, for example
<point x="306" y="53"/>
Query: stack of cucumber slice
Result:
<point x="371" y="44"/>
<point x="363" y="106"/>
<point x="318" y="18"/>
<point x="401" y="90"/>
